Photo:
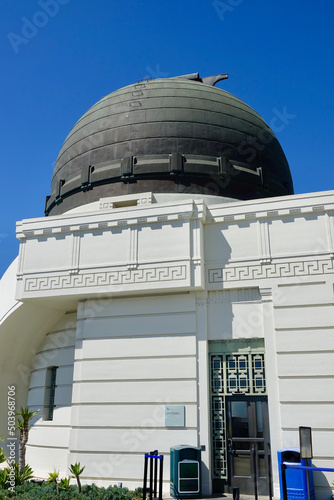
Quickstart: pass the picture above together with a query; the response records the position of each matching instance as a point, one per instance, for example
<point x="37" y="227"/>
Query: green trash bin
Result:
<point x="185" y="472"/>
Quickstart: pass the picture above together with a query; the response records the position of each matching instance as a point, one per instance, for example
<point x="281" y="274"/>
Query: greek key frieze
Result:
<point x="108" y="278"/>
<point x="277" y="270"/>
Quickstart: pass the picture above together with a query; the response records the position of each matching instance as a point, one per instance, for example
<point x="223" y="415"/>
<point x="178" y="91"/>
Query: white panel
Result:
<point x="36" y="397"/>
<point x="297" y="235"/>
<point x="127" y="415"/>
<point x="68" y="321"/>
<point x="61" y="416"/>
<point x="63" y="395"/>
<point x="304" y="317"/>
<point x="64" y="375"/>
<point x="49" y="436"/>
<point x="305" y="340"/>
<point x="306" y="364"/>
<point x="142" y="305"/>
<point x="123" y="392"/>
<point x="157" y="369"/>
<point x="235" y="320"/>
<point x="47" y="253"/>
<point x="54" y="357"/>
<point x="145" y="346"/>
<point x="37" y="378"/>
<point x="60" y="339"/>
<point x="163" y="241"/>
<point x="309" y="415"/>
<point x="219" y="321"/>
<point x="302" y="293"/>
<point x="247" y="320"/>
<point x="129" y="440"/>
<point x="159" y="324"/>
<point x="224" y="242"/>
<point x="42" y="461"/>
<point x="104" y="247"/>
<point x="306" y="389"/>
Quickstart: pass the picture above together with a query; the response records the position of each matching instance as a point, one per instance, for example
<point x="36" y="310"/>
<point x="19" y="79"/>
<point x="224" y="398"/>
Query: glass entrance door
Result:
<point x="248" y="448"/>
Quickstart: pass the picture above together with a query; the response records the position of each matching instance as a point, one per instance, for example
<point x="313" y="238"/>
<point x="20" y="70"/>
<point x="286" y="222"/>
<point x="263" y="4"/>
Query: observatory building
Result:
<point x="176" y="293"/>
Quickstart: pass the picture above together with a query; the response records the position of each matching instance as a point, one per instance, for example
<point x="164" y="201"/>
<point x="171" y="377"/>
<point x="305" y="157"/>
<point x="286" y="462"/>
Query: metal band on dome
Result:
<point x="213" y="173"/>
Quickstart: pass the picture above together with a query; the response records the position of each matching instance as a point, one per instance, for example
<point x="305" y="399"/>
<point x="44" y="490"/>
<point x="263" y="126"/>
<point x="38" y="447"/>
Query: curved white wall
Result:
<point x="56" y="350"/>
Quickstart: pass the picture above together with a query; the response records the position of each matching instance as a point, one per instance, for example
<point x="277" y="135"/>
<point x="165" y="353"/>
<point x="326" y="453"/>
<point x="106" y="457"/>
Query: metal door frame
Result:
<point x="237" y="366"/>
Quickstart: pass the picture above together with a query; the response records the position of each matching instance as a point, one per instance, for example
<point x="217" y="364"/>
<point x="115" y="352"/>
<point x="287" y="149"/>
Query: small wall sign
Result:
<point x="305" y="442"/>
<point x="174" y="416"/>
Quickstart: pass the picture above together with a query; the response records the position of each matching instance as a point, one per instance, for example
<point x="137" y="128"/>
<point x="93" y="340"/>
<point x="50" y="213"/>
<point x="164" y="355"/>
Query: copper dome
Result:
<point x="168" y="136"/>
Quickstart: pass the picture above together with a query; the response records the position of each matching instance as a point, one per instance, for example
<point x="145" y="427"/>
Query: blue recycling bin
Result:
<point x="296" y="479"/>
<point x="185" y="472"/>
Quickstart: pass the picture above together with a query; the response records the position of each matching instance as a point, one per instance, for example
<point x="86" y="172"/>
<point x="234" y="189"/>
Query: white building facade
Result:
<point x="121" y="309"/>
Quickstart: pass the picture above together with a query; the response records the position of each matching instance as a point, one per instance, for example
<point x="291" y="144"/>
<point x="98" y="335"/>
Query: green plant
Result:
<point x="3" y="478"/>
<point x="53" y="478"/>
<point x="25" y="415"/>
<point x="77" y="470"/>
<point x="22" y="476"/>
<point x="64" y="483"/>
<point x="3" y="457"/>
<point x="7" y="476"/>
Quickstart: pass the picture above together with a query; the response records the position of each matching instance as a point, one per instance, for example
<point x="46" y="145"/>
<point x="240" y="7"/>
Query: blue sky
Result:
<point x="59" y="57"/>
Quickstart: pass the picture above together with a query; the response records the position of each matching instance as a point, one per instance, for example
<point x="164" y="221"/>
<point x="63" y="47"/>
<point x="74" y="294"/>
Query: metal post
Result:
<point x="145" y="478"/>
<point x="161" y="476"/>
<point x="308" y="480"/>
<point x="235" y="494"/>
<point x="254" y="472"/>
<point x="153" y="457"/>
<point x="155" y="474"/>
<point x="284" y="488"/>
<point x="151" y="475"/>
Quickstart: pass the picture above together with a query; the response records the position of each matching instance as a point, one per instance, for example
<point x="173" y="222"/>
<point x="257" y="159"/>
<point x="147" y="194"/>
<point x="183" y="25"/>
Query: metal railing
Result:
<point x="307" y="468"/>
<point x="151" y="468"/>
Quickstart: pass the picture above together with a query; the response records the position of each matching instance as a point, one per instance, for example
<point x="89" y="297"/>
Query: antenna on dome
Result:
<point x="209" y="80"/>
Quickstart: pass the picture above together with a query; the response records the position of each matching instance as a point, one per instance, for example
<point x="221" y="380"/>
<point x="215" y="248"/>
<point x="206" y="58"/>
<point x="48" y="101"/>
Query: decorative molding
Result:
<point x="196" y="232"/>
<point x="266" y="294"/>
<point x="264" y="271"/>
<point x="330" y="232"/>
<point x="239" y="295"/>
<point x="108" y="278"/>
<point x="133" y="248"/>
<point x="76" y="240"/>
<point x="264" y="241"/>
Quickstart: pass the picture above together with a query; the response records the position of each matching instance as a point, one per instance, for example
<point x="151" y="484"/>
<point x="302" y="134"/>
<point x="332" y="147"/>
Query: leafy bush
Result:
<point x="20" y="477"/>
<point x="47" y="491"/>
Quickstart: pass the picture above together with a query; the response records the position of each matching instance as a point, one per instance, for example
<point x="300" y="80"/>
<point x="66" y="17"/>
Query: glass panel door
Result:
<point x="248" y="444"/>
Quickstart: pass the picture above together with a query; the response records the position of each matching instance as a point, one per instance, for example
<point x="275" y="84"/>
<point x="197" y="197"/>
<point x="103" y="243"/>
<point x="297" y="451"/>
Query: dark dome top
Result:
<point x="168" y="136"/>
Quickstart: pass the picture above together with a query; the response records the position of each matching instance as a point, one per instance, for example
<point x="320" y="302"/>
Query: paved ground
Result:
<point x="223" y="496"/>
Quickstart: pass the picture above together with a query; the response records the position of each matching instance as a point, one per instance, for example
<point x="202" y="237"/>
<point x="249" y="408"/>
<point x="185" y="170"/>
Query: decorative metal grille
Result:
<point x="232" y="373"/>
<point x="52" y="392"/>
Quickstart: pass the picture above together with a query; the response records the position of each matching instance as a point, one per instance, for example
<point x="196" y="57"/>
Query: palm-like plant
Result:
<point x="77" y="470"/>
<point x="25" y="415"/>
<point x="22" y="476"/>
<point x="53" y="478"/>
<point x="64" y="483"/>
